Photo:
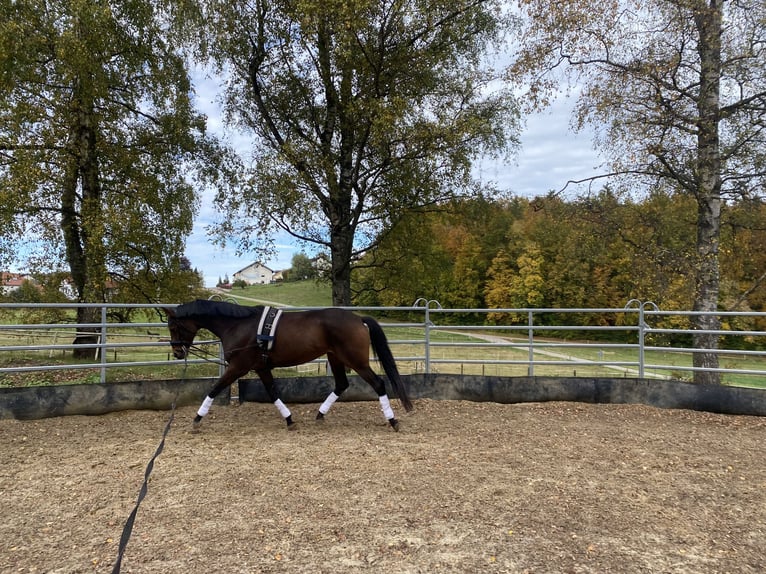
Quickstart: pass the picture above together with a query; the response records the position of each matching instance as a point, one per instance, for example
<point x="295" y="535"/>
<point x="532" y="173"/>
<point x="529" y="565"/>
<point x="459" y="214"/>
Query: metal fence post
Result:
<point x="427" y="326"/>
<point x="641" y="325"/>
<point x="428" y="341"/>
<point x="102" y="347"/>
<point x="221" y="362"/>
<point x="531" y="339"/>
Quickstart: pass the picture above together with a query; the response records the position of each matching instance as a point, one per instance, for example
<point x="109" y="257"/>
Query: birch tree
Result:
<point x="676" y="91"/>
<point x="97" y="136"/>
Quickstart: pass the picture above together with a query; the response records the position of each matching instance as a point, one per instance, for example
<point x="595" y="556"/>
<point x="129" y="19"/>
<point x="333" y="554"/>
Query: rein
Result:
<point x="201" y="353"/>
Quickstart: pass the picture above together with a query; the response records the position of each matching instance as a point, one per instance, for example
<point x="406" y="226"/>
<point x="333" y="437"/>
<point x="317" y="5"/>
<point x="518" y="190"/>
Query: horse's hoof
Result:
<point x="196" y="428"/>
<point x="292" y="426"/>
<point x="320" y="418"/>
<point x="394" y="424"/>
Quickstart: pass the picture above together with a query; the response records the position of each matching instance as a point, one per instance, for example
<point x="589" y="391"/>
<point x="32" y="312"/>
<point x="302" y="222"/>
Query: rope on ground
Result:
<point x="128" y="528"/>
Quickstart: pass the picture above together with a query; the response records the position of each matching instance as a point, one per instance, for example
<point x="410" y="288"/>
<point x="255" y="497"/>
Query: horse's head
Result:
<point x="182" y="333"/>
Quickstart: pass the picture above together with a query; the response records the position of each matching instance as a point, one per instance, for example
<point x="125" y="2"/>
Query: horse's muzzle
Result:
<point x="180" y="352"/>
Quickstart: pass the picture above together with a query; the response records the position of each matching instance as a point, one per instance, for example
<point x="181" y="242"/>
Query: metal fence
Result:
<point x="638" y="340"/>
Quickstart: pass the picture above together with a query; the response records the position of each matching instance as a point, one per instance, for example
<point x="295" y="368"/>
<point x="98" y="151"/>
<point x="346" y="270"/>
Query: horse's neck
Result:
<point x="213" y="324"/>
<point x="220" y="325"/>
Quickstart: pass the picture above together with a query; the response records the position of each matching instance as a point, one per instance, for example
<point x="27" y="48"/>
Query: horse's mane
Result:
<point x="206" y="308"/>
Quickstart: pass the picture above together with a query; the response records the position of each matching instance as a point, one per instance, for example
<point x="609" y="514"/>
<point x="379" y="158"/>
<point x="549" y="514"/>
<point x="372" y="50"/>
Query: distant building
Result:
<point x="10" y="282"/>
<point x="255" y="274"/>
<point x="69" y="290"/>
<point x="322" y="264"/>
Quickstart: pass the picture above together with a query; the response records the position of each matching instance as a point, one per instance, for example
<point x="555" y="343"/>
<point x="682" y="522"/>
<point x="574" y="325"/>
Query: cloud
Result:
<point x="216" y="263"/>
<point x="213" y="261"/>
<point x="551" y="154"/>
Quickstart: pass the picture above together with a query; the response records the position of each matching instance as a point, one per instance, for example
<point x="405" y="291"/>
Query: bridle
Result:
<point x="176" y="327"/>
<point x="190" y="348"/>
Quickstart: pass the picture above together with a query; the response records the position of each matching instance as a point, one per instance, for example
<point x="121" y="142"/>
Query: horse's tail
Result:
<point x="386" y="358"/>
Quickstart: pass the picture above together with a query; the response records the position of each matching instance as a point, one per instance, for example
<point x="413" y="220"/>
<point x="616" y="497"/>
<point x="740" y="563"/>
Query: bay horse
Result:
<point x="300" y="337"/>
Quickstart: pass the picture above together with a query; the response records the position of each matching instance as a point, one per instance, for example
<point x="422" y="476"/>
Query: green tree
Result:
<point x="360" y="111"/>
<point x="657" y="236"/>
<point x="743" y="249"/>
<point x="406" y="264"/>
<point x="302" y="268"/>
<point x="28" y="292"/>
<point x="177" y="282"/>
<point x="441" y="253"/>
<point x="515" y="285"/>
<point x="97" y="136"/>
<point x="677" y="92"/>
<point x="497" y="292"/>
<point x="528" y="286"/>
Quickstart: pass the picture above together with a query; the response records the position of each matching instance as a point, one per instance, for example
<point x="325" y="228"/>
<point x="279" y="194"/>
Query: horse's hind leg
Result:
<point x="380" y="389"/>
<point x="341" y="384"/>
<point x="268" y="381"/>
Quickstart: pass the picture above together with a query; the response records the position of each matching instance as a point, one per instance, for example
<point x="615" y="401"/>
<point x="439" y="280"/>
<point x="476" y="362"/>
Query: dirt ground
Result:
<point x="464" y="487"/>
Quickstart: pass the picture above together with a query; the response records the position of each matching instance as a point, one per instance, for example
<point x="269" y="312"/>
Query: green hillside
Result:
<point x="307" y="293"/>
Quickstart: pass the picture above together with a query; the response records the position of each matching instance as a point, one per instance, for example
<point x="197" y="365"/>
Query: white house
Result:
<point x="10" y="282"/>
<point x="254" y="274"/>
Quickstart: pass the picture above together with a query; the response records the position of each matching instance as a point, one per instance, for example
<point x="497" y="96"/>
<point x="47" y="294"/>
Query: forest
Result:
<point x="548" y="252"/>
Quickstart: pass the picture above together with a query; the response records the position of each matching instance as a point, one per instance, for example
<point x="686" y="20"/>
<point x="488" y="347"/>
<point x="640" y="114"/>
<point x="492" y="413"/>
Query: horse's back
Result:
<point x="305" y="335"/>
<point x="332" y="321"/>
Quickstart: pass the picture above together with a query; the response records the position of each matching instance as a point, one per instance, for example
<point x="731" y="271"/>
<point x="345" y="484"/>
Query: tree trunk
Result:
<point x="87" y="335"/>
<point x="706" y="292"/>
<point x="341" y="247"/>
<point x="81" y="222"/>
<point x="343" y="228"/>
<point x="341" y="276"/>
<point x="78" y="266"/>
<point x="708" y="20"/>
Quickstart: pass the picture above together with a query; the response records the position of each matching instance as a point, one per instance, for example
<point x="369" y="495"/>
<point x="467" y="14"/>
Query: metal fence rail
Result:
<point x="638" y="340"/>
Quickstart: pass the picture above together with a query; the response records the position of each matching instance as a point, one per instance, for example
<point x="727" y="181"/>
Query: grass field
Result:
<point x="294" y="294"/>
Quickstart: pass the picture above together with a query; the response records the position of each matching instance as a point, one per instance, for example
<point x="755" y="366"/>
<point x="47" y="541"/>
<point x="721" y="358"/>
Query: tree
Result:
<point x="97" y="136"/>
<point x="302" y="268"/>
<point x="498" y="292"/>
<point x="360" y="111"/>
<point x="744" y="255"/>
<point x="408" y="263"/>
<point x="441" y="254"/>
<point x="677" y="92"/>
<point x="28" y="292"/>
<point x="176" y="283"/>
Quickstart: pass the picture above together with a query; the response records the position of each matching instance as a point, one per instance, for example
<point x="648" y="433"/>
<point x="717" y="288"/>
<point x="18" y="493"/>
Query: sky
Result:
<point x="550" y="155"/>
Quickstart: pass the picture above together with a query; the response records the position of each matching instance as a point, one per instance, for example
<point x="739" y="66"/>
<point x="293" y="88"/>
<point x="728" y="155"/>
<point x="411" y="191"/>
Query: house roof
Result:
<point x="254" y="264"/>
<point x="8" y="279"/>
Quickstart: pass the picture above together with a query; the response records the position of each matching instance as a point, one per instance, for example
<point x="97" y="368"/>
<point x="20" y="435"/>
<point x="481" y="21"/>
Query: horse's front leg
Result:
<point x="230" y="375"/>
<point x="268" y="381"/>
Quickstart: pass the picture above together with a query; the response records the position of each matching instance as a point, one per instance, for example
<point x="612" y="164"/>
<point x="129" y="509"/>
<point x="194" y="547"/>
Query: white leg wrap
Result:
<point x="203" y="410"/>
<point x="283" y="410"/>
<point x="385" y="406"/>
<point x="328" y="402"/>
